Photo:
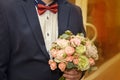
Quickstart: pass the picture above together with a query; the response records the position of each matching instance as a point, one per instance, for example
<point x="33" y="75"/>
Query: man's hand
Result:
<point x="72" y="74"/>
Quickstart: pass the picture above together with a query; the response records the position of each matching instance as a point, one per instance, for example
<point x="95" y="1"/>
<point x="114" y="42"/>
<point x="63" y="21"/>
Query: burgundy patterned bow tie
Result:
<point x="42" y="8"/>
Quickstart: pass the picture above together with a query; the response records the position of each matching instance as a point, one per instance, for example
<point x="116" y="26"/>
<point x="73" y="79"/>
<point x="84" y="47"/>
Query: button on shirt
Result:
<point x="49" y="26"/>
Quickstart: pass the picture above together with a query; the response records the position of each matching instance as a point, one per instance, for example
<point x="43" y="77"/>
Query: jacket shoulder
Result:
<point x="8" y="3"/>
<point x="74" y="7"/>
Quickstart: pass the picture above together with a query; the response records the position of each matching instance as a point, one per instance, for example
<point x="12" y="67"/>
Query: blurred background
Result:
<point x="104" y="15"/>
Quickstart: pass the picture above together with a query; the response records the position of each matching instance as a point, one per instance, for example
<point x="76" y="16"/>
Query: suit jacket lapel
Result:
<point x="30" y="11"/>
<point x="63" y="17"/>
<point x="32" y="17"/>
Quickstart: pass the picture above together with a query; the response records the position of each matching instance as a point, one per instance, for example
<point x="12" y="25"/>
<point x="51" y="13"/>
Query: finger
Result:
<point x="68" y="77"/>
<point x="72" y="76"/>
<point x="71" y="72"/>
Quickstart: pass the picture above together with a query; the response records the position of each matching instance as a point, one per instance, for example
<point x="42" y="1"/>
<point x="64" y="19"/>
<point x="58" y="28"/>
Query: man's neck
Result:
<point x="47" y="1"/>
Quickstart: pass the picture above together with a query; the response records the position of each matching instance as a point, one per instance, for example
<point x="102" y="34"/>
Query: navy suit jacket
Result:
<point x="23" y="55"/>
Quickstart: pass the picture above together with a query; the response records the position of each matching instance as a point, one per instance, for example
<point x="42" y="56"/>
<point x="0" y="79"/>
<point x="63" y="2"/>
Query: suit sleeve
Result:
<point x="4" y="45"/>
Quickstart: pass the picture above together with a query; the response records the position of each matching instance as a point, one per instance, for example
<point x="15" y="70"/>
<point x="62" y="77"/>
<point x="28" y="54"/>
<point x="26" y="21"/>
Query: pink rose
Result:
<point x="75" y="41"/>
<point x="69" y="58"/>
<point x="62" y="42"/>
<point x="50" y="61"/>
<point x="92" y="62"/>
<point x="53" y="53"/>
<point x="60" y="54"/>
<point x="75" y="61"/>
<point x="53" y="65"/>
<point x="62" y="66"/>
<point x="69" y="50"/>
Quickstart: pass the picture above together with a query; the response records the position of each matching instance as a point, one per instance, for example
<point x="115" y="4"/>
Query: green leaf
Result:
<point x="80" y="34"/>
<point x="64" y="55"/>
<point x="64" y="36"/>
<point x="68" y="32"/>
<point x="70" y="65"/>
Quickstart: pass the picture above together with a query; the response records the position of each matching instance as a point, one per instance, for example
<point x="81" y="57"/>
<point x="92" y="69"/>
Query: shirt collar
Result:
<point x="41" y="2"/>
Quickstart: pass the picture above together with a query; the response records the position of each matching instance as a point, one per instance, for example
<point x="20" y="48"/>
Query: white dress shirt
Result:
<point x="49" y="26"/>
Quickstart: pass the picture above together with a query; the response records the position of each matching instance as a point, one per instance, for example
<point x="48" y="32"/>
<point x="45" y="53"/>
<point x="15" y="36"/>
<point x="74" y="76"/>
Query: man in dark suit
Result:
<point x="23" y="41"/>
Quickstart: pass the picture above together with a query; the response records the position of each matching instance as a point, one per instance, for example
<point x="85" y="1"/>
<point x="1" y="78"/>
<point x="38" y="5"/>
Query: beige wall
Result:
<point x="72" y="1"/>
<point x="104" y="14"/>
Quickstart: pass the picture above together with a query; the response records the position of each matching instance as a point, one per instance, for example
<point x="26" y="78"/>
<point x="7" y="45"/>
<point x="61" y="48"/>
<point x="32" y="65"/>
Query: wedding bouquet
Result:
<point x="71" y="51"/>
